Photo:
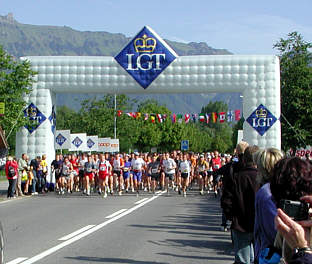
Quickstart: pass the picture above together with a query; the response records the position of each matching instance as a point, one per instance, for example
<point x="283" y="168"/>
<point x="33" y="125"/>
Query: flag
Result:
<point x="187" y="118"/>
<point x="119" y="113"/>
<point x="145" y="117"/>
<point x="130" y="114"/>
<point x="153" y="118"/>
<point x="159" y="117"/>
<point x="207" y="118"/>
<point x="173" y="118"/>
<point x="164" y="117"/>
<point x="222" y="117"/>
<point x="194" y="117"/>
<point x="230" y="116"/>
<point x="237" y="115"/>
<point x="201" y="117"/>
<point x="137" y="115"/>
<point x="214" y="117"/>
<point x="180" y="118"/>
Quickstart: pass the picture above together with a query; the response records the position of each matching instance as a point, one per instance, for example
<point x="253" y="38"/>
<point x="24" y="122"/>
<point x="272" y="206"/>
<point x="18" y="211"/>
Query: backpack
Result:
<point x="11" y="171"/>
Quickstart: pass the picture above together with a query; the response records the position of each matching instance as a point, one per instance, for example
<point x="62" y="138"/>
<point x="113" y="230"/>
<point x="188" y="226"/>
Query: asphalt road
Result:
<point x="147" y="229"/>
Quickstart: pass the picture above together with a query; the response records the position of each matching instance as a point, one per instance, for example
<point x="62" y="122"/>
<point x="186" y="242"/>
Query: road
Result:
<point x="148" y="229"/>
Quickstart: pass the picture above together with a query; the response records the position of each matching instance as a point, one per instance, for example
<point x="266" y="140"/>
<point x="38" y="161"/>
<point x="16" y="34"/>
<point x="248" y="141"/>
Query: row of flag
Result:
<point x="213" y="117"/>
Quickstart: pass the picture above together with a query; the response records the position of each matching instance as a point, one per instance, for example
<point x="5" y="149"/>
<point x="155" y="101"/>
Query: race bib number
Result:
<point x="154" y="171"/>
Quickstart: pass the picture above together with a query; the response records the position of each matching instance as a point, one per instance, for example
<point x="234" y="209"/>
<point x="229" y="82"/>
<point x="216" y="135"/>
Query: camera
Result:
<point x="297" y="210"/>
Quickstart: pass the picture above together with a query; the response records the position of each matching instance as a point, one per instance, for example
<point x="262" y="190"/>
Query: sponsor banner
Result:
<point x="35" y="117"/>
<point x="104" y="144"/>
<point x="78" y="142"/>
<point x="114" y="144"/>
<point x="303" y="152"/>
<point x="92" y="143"/>
<point x="62" y="139"/>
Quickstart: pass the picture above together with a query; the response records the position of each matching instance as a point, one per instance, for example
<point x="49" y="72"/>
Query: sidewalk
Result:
<point x="4" y="188"/>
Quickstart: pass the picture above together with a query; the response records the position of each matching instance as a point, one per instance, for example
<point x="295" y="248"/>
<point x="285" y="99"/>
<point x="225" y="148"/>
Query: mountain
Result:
<point x="30" y="40"/>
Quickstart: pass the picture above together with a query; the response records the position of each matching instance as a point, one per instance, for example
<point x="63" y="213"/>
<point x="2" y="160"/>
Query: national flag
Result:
<point x="187" y="118"/>
<point x="119" y="113"/>
<point x="164" y="117"/>
<point x="180" y="118"/>
<point x="201" y="117"/>
<point x="207" y="118"/>
<point x="237" y="115"/>
<point x="146" y="117"/>
<point x="194" y="117"/>
<point x="137" y="115"/>
<point x="130" y="114"/>
<point x="153" y="118"/>
<point x="214" y="117"/>
<point x="173" y="118"/>
<point x="159" y="117"/>
<point x="222" y="117"/>
<point x="230" y="116"/>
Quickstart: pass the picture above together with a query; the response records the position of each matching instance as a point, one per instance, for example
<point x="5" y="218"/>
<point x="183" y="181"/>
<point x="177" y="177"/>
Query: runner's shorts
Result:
<point x="170" y="176"/>
<point x="137" y="175"/>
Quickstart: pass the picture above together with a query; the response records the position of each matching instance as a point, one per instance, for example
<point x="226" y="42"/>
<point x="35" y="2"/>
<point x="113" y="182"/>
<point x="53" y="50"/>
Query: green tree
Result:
<point x="296" y="92"/>
<point x="16" y="79"/>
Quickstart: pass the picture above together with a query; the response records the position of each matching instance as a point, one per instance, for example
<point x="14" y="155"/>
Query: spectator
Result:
<point x="22" y="167"/>
<point x="241" y="208"/>
<point x="11" y="171"/>
<point x="265" y="207"/>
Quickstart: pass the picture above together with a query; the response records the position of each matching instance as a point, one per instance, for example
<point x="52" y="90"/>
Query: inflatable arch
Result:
<point x="256" y="77"/>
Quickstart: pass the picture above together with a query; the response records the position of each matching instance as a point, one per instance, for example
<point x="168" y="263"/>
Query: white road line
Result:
<point x="76" y="232"/>
<point x="16" y="261"/>
<point x="86" y="233"/>
<point x="116" y="213"/>
<point x="141" y="201"/>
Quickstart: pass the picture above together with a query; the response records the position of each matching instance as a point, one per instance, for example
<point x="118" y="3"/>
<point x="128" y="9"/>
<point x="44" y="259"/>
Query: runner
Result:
<point x="118" y="165"/>
<point x="56" y="167"/>
<point x="126" y="172"/>
<point x="169" y="166"/>
<point x="137" y="165"/>
<point x="74" y="162"/>
<point x="105" y="169"/>
<point x="216" y="164"/>
<point x="88" y="175"/>
<point x="185" y="169"/>
<point x="154" y="170"/>
<point x="201" y="168"/>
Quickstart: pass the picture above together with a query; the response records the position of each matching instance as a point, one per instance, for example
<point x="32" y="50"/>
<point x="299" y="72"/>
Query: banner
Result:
<point x="114" y="145"/>
<point x="104" y="144"/>
<point x="62" y="139"/>
<point x="78" y="142"/>
<point x="303" y="152"/>
<point x="92" y="143"/>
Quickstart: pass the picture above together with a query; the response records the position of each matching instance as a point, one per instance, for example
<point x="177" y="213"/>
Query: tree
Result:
<point x="296" y="92"/>
<point x="16" y="79"/>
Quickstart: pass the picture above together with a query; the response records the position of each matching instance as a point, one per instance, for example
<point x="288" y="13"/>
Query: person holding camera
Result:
<point x="291" y="180"/>
<point x="296" y="234"/>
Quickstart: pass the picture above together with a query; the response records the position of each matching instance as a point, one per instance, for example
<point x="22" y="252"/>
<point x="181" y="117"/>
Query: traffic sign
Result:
<point x="184" y="144"/>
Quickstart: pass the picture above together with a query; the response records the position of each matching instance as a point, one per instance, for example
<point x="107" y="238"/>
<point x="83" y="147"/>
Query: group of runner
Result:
<point x="135" y="172"/>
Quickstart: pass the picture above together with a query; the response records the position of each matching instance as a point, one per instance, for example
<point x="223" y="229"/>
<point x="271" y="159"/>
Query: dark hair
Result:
<point x="248" y="155"/>
<point x="292" y="179"/>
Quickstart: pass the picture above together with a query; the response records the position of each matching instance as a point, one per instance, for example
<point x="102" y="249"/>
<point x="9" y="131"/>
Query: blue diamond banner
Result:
<point x="36" y="118"/>
<point x="146" y="56"/>
<point x="60" y="139"/>
<point x="90" y="143"/>
<point x="261" y="119"/>
<point x="77" y="142"/>
<point x="52" y="119"/>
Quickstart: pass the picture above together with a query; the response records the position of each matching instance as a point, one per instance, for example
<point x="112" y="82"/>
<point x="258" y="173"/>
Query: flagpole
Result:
<point x="115" y="119"/>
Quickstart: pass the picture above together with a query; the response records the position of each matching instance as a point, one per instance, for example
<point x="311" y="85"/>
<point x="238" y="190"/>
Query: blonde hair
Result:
<point x="241" y="146"/>
<point x="266" y="160"/>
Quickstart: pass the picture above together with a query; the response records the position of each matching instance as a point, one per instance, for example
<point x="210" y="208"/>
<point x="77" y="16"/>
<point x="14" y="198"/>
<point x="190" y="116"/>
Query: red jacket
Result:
<point x="13" y="164"/>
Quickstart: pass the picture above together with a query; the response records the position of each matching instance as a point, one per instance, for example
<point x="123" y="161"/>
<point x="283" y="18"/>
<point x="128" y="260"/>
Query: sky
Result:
<point x="241" y="26"/>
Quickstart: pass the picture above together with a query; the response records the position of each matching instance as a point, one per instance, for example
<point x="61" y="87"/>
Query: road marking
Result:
<point x="88" y="232"/>
<point x="141" y="201"/>
<point x="116" y="213"/>
<point x="76" y="232"/>
<point x="16" y="261"/>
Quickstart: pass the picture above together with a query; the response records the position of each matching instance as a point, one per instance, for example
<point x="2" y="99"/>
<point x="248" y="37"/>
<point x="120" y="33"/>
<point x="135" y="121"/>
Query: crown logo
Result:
<point x="145" y="44"/>
<point x="261" y="113"/>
